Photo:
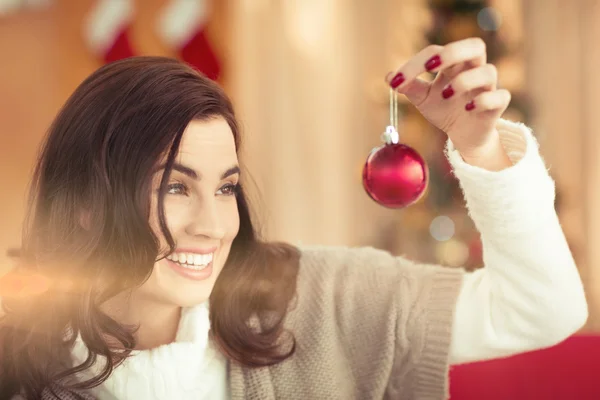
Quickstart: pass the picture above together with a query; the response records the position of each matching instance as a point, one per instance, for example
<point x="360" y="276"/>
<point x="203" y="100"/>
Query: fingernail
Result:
<point x="433" y="62"/>
<point x="470" y="105"/>
<point x="448" y="92"/>
<point x="397" y="80"/>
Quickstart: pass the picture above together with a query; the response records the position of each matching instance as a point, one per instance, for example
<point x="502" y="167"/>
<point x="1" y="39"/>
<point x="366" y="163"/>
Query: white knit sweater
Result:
<point x="498" y="312"/>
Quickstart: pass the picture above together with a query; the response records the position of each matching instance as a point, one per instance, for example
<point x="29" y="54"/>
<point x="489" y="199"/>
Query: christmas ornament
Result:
<point x="394" y="175"/>
<point x="183" y="26"/>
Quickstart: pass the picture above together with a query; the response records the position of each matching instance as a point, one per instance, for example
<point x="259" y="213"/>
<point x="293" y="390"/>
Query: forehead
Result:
<point x="207" y="145"/>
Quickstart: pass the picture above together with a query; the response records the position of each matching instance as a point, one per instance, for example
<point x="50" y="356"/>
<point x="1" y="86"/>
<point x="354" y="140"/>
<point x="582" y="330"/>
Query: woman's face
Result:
<point x="201" y="214"/>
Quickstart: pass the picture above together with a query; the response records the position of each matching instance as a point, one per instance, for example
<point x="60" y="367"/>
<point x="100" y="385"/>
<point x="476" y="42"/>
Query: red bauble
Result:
<point x="395" y="175"/>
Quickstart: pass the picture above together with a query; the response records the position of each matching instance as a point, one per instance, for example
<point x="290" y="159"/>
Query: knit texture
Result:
<point x="368" y="326"/>
<point x="529" y="295"/>
<point x="189" y="368"/>
<point x="510" y="212"/>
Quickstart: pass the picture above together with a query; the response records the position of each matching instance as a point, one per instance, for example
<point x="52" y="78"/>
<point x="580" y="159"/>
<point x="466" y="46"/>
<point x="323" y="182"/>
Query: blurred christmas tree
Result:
<point x="438" y="229"/>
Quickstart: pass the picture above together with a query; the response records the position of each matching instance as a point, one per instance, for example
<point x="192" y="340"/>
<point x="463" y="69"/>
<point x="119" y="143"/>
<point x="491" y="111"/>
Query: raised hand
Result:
<point x="462" y="100"/>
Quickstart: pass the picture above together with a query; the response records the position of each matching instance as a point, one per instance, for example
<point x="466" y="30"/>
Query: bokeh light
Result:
<point x="442" y="228"/>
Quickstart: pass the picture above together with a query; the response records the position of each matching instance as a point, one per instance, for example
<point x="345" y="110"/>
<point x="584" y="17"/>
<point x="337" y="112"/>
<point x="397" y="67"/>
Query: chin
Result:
<point x="191" y="296"/>
<point x="190" y="301"/>
<point x="173" y="288"/>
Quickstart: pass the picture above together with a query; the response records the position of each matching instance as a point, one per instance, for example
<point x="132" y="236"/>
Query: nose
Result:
<point x="204" y="220"/>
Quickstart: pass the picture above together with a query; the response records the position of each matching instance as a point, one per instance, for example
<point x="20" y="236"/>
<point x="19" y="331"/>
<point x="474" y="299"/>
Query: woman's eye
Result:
<point x="228" y="190"/>
<point x="177" y="188"/>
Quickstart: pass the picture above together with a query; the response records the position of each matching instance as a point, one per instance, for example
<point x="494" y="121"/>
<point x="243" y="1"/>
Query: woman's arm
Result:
<point x="529" y="295"/>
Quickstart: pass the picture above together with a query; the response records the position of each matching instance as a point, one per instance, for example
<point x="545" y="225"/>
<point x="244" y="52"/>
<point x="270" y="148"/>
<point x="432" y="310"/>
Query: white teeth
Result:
<point x="191" y="260"/>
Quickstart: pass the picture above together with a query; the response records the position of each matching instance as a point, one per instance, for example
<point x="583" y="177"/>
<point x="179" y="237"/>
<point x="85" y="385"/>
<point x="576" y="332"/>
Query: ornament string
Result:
<point x="391" y="135"/>
<point x="394" y="109"/>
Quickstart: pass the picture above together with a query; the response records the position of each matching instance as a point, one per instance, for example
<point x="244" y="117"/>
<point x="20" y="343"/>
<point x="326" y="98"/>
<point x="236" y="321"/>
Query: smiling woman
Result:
<point x="156" y="285"/>
<point x="143" y="193"/>
<point x="200" y="210"/>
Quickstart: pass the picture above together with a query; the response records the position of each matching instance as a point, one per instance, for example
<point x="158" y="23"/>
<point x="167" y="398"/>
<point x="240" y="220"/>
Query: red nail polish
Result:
<point x="433" y="62"/>
<point x="397" y="80"/>
<point x="448" y="92"/>
<point x="470" y="105"/>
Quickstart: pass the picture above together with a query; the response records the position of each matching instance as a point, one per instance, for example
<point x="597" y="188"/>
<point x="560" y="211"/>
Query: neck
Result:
<point x="157" y="322"/>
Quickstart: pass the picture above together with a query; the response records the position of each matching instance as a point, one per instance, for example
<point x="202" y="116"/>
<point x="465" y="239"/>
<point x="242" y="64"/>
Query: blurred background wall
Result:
<point x="307" y="79"/>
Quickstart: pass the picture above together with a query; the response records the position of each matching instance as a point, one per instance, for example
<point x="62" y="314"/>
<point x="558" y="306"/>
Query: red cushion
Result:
<point x="568" y="371"/>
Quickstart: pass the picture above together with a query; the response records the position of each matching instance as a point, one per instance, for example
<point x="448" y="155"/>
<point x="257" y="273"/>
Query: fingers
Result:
<point x="414" y="67"/>
<point x="461" y="56"/>
<point x="470" y="50"/>
<point x="446" y="75"/>
<point x="482" y="78"/>
<point x="496" y="101"/>
<point x="437" y="58"/>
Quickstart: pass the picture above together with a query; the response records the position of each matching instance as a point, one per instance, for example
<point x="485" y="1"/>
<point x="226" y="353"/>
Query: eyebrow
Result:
<point x="194" y="175"/>
<point x="231" y="171"/>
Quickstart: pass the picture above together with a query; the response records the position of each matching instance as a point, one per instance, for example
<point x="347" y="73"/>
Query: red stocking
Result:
<point x="183" y="26"/>
<point x="107" y="29"/>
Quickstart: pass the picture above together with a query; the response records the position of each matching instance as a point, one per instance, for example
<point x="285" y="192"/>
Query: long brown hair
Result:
<point x="87" y="231"/>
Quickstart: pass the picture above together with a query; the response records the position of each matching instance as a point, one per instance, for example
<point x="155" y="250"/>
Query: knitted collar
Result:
<point x="190" y="367"/>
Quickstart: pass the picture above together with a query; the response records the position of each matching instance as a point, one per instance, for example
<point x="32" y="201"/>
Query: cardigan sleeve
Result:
<point x="529" y="295"/>
<point x="426" y="296"/>
<point x="372" y="325"/>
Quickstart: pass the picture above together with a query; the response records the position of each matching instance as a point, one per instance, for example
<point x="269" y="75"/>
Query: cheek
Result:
<point x="175" y="216"/>
<point x="231" y="220"/>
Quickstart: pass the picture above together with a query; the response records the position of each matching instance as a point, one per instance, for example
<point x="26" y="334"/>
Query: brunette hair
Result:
<point x="88" y="225"/>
